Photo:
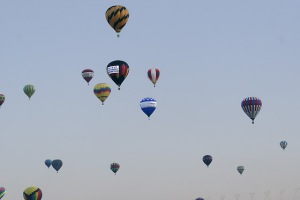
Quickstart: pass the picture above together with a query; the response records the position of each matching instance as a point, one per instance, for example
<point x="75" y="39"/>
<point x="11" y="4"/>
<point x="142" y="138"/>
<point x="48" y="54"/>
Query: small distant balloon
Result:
<point x="48" y="162"/>
<point x="207" y="159"/>
<point x="2" y="99"/>
<point x="117" y="17"/>
<point x="32" y="193"/>
<point x="87" y="74"/>
<point x="283" y="144"/>
<point x="153" y="75"/>
<point x="148" y="105"/>
<point x="251" y="106"/>
<point x="199" y="198"/>
<point x="57" y="164"/>
<point x="102" y="91"/>
<point x="114" y="167"/>
<point x="240" y="169"/>
<point x="29" y="90"/>
<point x="2" y="192"/>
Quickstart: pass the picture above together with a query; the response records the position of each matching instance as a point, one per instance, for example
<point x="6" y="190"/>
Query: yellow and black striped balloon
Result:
<point x="117" y="17"/>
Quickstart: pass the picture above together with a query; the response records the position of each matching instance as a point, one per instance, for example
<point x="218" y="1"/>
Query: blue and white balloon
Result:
<point x="148" y="105"/>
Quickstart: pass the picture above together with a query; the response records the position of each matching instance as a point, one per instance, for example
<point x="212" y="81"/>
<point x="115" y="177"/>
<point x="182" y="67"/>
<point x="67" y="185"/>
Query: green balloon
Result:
<point x="29" y="90"/>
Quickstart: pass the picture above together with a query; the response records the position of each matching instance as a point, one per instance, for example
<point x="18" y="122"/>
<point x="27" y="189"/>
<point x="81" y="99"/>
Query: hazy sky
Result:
<point x="212" y="54"/>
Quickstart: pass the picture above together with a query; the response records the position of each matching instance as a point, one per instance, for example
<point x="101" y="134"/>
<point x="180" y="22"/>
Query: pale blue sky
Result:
<point x="212" y="55"/>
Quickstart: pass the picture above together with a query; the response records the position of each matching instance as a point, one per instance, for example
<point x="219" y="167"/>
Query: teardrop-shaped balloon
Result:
<point x="148" y="105"/>
<point x="57" y="164"/>
<point x="117" y="17"/>
<point x="251" y="106"/>
<point x="283" y="144"/>
<point x="207" y="159"/>
<point x="87" y="74"/>
<point x="117" y="70"/>
<point x="114" y="167"/>
<point x="102" y="91"/>
<point x="2" y="99"/>
<point x="240" y="169"/>
<point x="32" y="193"/>
<point x="2" y="192"/>
<point x="153" y="75"/>
<point x="48" y="162"/>
<point x="29" y="90"/>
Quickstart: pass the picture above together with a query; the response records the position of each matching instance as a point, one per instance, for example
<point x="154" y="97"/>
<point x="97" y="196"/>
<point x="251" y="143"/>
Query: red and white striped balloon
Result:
<point x="153" y="75"/>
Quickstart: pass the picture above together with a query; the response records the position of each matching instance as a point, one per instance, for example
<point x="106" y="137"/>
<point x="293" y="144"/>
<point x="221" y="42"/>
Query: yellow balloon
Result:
<point x="102" y="91"/>
<point x="117" y="17"/>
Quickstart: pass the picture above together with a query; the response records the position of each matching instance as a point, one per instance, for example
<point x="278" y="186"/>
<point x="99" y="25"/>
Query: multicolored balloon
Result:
<point x="117" y="70"/>
<point x="153" y="75"/>
<point x="148" y="106"/>
<point x="57" y="164"/>
<point x="117" y="17"/>
<point x="29" y="90"/>
<point x="240" y="169"/>
<point x="2" y="99"/>
<point x="87" y="74"/>
<point x="102" y="91"/>
<point x="251" y="106"/>
<point x="207" y="159"/>
<point x="114" y="167"/>
<point x="2" y="192"/>
<point x="32" y="193"/>
<point x="283" y="144"/>
<point x="48" y="162"/>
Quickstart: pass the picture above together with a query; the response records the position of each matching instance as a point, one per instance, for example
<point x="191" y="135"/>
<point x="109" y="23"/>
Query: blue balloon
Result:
<point x="207" y="159"/>
<point x="148" y="105"/>
<point x="57" y="164"/>
<point x="48" y="162"/>
<point x="199" y="198"/>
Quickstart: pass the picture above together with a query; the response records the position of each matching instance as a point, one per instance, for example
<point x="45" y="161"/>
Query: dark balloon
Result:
<point x="207" y="159"/>
<point x="114" y="167"/>
<point x="57" y="164"/>
<point x="48" y="162"/>
<point x="117" y="71"/>
<point x="199" y="198"/>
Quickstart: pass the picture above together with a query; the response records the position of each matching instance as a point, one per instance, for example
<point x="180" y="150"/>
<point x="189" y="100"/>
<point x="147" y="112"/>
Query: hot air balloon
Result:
<point x="153" y="75"/>
<point x="283" y="144"/>
<point x="87" y="74"/>
<point x="2" y="192"/>
<point x="199" y="198"/>
<point x="240" y="169"/>
<point x="117" y="70"/>
<point x="2" y="99"/>
<point x="148" y="106"/>
<point x="32" y="193"/>
<point x="207" y="159"/>
<point x="29" y="90"/>
<point x="48" y="162"/>
<point x="117" y="17"/>
<point x="114" y="167"/>
<point x="251" y="106"/>
<point x="102" y="91"/>
<point x="57" y="164"/>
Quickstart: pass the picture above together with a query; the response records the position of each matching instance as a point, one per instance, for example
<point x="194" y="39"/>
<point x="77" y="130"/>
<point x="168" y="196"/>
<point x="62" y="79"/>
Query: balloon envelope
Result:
<point x="2" y="99"/>
<point x="240" y="169"/>
<point x="32" y="193"/>
<point x="153" y="75"/>
<point x="283" y="144"/>
<point x="29" y="90"/>
<point x="117" y="70"/>
<point x="251" y="106"/>
<point x="207" y="159"/>
<point x="48" y="162"/>
<point x="199" y="198"/>
<point x="117" y="17"/>
<point x="102" y="91"/>
<point x="87" y="74"/>
<point x="148" y="105"/>
<point x="114" y="167"/>
<point x="2" y="192"/>
<point x="57" y="164"/>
